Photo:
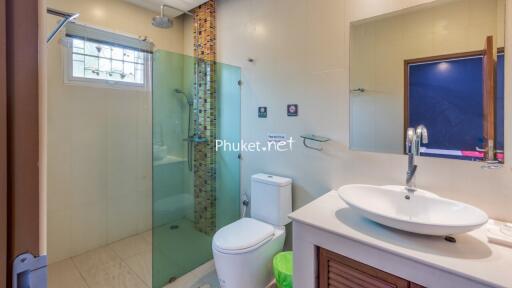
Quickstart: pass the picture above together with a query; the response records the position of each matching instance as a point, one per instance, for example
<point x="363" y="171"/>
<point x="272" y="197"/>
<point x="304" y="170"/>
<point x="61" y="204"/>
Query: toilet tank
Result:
<point x="271" y="199"/>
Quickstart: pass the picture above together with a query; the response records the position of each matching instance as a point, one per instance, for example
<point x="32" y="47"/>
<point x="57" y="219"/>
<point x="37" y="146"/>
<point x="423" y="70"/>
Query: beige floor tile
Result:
<point x="148" y="235"/>
<point x="191" y="279"/>
<point x="131" y="246"/>
<point x="141" y="264"/>
<point x="64" y="274"/>
<point x="115" y="275"/>
<point x="93" y="261"/>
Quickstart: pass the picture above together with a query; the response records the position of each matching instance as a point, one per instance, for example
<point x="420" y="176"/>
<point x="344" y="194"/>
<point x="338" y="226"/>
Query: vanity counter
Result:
<point x="329" y="223"/>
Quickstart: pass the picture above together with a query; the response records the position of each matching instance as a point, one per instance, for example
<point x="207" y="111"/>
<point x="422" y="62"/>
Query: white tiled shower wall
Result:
<point x="99" y="140"/>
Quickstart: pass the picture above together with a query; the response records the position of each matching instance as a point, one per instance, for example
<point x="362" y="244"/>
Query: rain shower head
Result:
<point x="164" y="22"/>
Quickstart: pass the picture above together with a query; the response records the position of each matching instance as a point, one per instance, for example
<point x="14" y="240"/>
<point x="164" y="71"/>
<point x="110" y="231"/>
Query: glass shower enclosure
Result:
<point x="196" y="187"/>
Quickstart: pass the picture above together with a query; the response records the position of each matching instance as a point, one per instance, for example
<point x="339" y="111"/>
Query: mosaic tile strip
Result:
<point x="205" y="121"/>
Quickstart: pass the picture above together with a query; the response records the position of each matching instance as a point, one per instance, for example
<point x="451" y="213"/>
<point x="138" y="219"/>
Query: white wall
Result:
<point x="99" y="140"/>
<point x="122" y="17"/>
<point x="301" y="56"/>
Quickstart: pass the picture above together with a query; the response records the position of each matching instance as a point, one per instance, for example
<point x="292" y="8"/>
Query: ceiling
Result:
<point x="154" y="5"/>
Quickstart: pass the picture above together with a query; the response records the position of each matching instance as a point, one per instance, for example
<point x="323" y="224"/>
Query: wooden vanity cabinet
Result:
<point x="337" y="271"/>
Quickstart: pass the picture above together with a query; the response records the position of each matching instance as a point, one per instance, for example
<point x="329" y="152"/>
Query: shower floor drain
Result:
<point x="174" y="227"/>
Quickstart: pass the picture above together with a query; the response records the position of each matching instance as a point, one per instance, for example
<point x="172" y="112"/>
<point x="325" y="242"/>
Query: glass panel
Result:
<point x="104" y="51"/>
<point x="91" y="48"/>
<point x="129" y="68"/>
<point x="78" y="46"/>
<point x="91" y="67"/>
<point x="78" y="57"/>
<point x="78" y="69"/>
<point x="139" y="57"/>
<point x="129" y="55"/>
<point x="117" y="66"/>
<point x="139" y="73"/>
<point x="117" y="53"/>
<point x="105" y="65"/>
<point x="194" y="194"/>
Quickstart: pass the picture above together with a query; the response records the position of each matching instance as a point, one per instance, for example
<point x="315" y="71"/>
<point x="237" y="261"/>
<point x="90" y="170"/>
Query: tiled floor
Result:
<point x="125" y="264"/>
<point x="178" y="249"/>
<point x="203" y="276"/>
<point x="128" y="263"/>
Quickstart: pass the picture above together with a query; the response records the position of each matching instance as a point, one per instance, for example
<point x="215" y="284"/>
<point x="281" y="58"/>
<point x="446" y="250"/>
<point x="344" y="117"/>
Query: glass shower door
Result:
<point x="195" y="188"/>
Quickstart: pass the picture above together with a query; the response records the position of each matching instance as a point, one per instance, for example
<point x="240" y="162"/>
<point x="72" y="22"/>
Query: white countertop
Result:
<point x="471" y="257"/>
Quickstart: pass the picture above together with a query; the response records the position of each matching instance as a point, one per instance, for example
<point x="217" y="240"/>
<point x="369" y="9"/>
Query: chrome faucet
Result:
<point x="413" y="140"/>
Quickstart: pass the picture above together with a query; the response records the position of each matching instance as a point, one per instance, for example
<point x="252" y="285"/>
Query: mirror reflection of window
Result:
<point x="430" y="65"/>
<point x="445" y="94"/>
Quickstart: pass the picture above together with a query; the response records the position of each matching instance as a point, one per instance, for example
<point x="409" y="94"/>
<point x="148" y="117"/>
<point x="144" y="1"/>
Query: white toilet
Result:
<point x="243" y="250"/>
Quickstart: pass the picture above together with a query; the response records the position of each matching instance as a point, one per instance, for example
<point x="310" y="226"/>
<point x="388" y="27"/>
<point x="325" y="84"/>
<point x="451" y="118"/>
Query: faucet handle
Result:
<point x="422" y="134"/>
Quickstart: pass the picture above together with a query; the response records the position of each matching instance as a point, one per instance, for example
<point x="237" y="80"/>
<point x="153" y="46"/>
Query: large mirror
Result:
<point x="440" y="65"/>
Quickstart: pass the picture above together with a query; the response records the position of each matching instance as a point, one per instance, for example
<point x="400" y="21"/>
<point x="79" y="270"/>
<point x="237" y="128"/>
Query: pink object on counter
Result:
<point x="473" y="154"/>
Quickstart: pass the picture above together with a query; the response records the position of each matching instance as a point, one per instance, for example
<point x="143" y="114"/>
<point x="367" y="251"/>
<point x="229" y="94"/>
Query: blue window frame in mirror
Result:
<point x="446" y="97"/>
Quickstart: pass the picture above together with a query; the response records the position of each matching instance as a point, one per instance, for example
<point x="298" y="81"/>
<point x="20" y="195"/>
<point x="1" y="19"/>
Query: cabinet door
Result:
<point x="336" y="271"/>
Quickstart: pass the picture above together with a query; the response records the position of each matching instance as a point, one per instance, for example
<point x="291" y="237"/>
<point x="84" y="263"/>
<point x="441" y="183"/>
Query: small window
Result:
<point x="94" y="61"/>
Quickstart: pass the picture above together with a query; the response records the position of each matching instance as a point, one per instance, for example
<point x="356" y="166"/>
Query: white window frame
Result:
<point x="103" y="83"/>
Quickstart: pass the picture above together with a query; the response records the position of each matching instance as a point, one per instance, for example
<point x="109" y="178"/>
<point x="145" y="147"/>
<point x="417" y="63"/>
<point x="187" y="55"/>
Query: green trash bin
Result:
<point x="283" y="269"/>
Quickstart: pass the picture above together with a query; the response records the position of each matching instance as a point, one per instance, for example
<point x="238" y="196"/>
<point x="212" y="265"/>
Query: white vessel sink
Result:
<point x="424" y="213"/>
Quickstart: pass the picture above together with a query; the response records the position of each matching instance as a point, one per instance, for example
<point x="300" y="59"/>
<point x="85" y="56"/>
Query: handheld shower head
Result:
<point x="189" y="99"/>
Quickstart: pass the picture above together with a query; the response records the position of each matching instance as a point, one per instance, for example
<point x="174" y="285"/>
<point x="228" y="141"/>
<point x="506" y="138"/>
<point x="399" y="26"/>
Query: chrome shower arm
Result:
<point x="172" y="7"/>
<point x="59" y="13"/>
<point x="66" y="17"/>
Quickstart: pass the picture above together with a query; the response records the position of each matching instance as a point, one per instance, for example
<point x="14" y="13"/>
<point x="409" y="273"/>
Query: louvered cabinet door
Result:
<point x="336" y="271"/>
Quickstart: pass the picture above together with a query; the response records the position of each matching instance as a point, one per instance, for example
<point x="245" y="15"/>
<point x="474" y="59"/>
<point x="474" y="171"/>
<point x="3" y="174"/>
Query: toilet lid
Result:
<point x="243" y="234"/>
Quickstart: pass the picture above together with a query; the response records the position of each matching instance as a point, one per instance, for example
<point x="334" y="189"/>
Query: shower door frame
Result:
<point x="19" y="132"/>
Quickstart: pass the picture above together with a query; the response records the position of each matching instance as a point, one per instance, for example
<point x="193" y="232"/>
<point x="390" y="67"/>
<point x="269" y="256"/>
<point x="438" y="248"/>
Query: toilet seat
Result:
<point x="242" y="236"/>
